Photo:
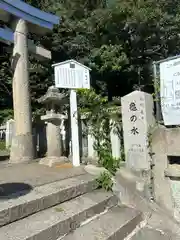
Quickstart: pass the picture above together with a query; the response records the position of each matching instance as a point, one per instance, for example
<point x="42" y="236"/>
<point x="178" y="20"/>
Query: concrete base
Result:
<point x="50" y="161"/>
<point x="22" y="149"/>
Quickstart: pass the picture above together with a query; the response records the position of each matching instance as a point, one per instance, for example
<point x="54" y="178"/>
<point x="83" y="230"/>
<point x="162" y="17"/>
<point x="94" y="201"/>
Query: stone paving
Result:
<point x="35" y="174"/>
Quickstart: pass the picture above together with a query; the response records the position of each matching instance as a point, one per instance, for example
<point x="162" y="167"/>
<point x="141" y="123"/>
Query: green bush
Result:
<point x="99" y="112"/>
<point x="105" y="181"/>
<point x="2" y="145"/>
<point x="107" y="161"/>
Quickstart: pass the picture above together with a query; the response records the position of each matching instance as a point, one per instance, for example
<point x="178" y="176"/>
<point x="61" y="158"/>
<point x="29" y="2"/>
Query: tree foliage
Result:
<point x="118" y="39"/>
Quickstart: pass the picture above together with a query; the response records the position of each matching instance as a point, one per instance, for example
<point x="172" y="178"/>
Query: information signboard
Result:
<point x="170" y="91"/>
<point x="71" y="74"/>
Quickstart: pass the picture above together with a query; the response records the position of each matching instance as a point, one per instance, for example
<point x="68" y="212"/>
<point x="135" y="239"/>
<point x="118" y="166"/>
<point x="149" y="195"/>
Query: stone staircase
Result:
<point x="68" y="209"/>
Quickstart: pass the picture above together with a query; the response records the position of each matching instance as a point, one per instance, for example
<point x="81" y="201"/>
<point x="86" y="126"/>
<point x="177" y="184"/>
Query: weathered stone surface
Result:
<point x="22" y="148"/>
<point x="54" y="140"/>
<point x="56" y="221"/>
<point x="172" y="171"/>
<point x="35" y="174"/>
<point x="94" y="170"/>
<point x="149" y="234"/>
<point x="44" y="197"/>
<point x="155" y="216"/>
<point x="165" y="142"/>
<point x="138" y="182"/>
<point x="92" y="154"/>
<point x="53" y="95"/>
<point x="51" y="161"/>
<point x="117" y="223"/>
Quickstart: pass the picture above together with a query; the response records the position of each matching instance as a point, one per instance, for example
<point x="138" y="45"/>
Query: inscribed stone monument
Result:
<point x="137" y="118"/>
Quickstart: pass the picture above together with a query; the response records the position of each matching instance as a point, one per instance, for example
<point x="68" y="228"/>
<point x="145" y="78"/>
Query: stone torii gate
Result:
<point x="23" y="19"/>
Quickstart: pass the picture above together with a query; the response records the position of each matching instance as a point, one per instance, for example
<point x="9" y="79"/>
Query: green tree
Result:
<point x="118" y="39"/>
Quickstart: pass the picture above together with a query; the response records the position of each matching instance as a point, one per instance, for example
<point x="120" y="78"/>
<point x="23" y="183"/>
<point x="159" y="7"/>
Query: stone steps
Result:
<point x="72" y="208"/>
<point x="116" y="224"/>
<point x="149" y="234"/>
<point x="43" y="197"/>
<point x="52" y="223"/>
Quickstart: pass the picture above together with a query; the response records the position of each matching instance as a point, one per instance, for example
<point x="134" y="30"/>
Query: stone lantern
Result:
<point x="54" y="101"/>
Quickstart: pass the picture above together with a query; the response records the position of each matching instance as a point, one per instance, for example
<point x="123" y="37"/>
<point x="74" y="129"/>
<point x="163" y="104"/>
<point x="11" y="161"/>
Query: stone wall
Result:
<point x="166" y="170"/>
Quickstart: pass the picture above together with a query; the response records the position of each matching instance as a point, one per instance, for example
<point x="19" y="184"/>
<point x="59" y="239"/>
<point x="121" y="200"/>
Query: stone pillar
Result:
<point x="22" y="149"/>
<point x="138" y="120"/>
<point x="63" y="134"/>
<point x="115" y="140"/>
<point x="92" y="154"/>
<point x="84" y="138"/>
<point x="10" y="130"/>
<point x="54" y="141"/>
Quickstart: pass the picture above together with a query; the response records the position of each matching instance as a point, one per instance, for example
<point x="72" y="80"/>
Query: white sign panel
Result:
<point x="72" y="78"/>
<point x="170" y="91"/>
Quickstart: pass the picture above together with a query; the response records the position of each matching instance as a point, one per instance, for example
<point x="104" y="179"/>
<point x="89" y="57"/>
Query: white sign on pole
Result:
<point x="170" y="91"/>
<point x="74" y="129"/>
<point x="72" y="74"/>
